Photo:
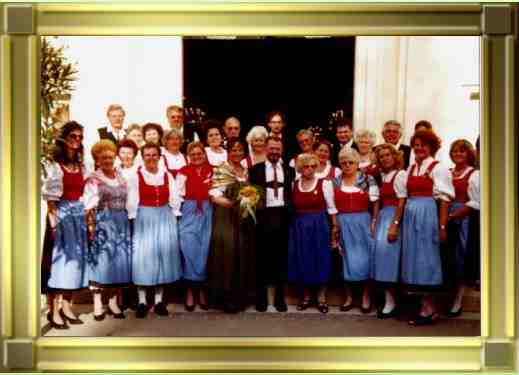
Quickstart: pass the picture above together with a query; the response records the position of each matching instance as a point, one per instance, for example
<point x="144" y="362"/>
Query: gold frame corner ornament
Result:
<point x="19" y="187"/>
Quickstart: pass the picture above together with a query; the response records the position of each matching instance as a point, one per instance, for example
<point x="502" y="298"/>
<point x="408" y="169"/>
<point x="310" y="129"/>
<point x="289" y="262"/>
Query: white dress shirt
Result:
<point x="271" y="199"/>
<point x="473" y="191"/>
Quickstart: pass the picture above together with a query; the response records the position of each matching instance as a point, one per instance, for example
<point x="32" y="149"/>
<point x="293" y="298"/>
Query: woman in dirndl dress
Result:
<point x="127" y="152"/>
<point x="64" y="262"/>
<point x="215" y="152"/>
<point x="196" y="224"/>
<point x="110" y="253"/>
<point x="429" y="185"/>
<point x="465" y="179"/>
<point x="172" y="159"/>
<point x="388" y="242"/>
<point x="311" y="232"/>
<point x="354" y="191"/>
<point x="257" y="140"/>
<point x="324" y="149"/>
<point x="231" y="265"/>
<point x="154" y="200"/>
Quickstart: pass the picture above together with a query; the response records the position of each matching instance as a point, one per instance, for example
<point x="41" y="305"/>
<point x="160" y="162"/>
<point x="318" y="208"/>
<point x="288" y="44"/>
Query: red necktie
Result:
<point x="275" y="181"/>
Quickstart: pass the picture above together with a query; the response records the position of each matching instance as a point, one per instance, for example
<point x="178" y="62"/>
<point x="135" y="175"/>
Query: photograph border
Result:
<point x="21" y="27"/>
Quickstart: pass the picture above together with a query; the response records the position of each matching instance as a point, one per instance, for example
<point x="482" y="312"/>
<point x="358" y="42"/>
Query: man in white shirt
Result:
<point x="114" y="131"/>
<point x="392" y="133"/>
<point x="175" y="116"/>
<point x="273" y="220"/>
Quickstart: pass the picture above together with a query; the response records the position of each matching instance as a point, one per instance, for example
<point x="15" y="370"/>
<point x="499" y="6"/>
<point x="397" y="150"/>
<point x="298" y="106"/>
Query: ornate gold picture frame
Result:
<point x="21" y="26"/>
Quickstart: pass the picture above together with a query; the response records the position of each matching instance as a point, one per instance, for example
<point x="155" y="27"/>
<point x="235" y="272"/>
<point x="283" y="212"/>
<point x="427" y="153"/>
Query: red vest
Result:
<point x="309" y="202"/>
<point x="153" y="196"/>
<point x="172" y="171"/>
<point x="197" y="185"/>
<point x="73" y="184"/>
<point x="388" y="194"/>
<point x="421" y="186"/>
<point x="461" y="187"/>
<point x="351" y="202"/>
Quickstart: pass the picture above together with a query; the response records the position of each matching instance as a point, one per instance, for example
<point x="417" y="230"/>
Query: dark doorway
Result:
<point x="307" y="79"/>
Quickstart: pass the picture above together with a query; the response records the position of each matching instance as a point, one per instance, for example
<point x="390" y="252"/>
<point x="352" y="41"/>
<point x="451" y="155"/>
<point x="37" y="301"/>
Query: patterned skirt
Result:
<point x="68" y="270"/>
<point x="111" y="252"/>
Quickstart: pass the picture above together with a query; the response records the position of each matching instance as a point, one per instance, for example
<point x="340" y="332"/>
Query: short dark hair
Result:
<point x="344" y="122"/>
<point x="154" y="126"/>
<point x="211" y="124"/>
<point x="428" y="137"/>
<point x="275" y="113"/>
<point x="128" y="143"/>
<point x="150" y="145"/>
<point x="231" y="142"/>
<point x="326" y="143"/>
<point x="467" y="147"/>
<point x="273" y="138"/>
<point x="423" y="123"/>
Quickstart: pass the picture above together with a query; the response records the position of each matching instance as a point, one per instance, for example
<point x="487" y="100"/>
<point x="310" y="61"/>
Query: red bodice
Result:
<point x="197" y="184"/>
<point x="73" y="184"/>
<point x="421" y="186"/>
<point x="351" y="202"/>
<point x="388" y="194"/>
<point x="461" y="187"/>
<point x="153" y="196"/>
<point x="309" y="202"/>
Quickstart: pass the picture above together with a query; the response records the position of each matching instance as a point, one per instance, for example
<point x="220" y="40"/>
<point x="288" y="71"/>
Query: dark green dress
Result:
<point x="231" y="264"/>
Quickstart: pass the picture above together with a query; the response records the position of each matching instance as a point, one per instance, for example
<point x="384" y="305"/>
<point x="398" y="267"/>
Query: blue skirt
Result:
<point x="458" y="244"/>
<point x="309" y="249"/>
<point x="156" y="254"/>
<point x="111" y="252"/>
<point x="386" y="260"/>
<point x="69" y="253"/>
<point x="421" y="260"/>
<point x="357" y="244"/>
<point x="195" y="235"/>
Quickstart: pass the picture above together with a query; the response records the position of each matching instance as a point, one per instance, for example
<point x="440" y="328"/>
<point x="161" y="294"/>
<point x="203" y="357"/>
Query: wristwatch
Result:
<point x="442" y="226"/>
<point x="396" y="222"/>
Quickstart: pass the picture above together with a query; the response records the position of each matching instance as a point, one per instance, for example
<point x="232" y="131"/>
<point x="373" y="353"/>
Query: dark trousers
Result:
<point x="272" y="251"/>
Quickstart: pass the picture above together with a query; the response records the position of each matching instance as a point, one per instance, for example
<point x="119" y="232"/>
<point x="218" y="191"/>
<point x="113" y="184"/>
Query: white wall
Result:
<point x="418" y="78"/>
<point x="143" y="74"/>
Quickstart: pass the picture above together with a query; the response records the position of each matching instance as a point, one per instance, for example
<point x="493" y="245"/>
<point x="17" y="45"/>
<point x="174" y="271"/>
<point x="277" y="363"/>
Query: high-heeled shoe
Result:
<point x="347" y="307"/>
<point x="304" y="305"/>
<point x="365" y="310"/>
<point x="189" y="308"/>
<point x="100" y="317"/>
<point x="391" y="314"/>
<point x="116" y="316"/>
<point x="55" y="325"/>
<point x="454" y="314"/>
<point x="421" y="320"/>
<point x="70" y="320"/>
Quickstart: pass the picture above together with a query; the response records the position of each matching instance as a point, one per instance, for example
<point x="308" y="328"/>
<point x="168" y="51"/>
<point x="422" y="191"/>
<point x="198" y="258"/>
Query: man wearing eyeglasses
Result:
<point x="114" y="131"/>
<point x="392" y="132"/>
<point x="175" y="116"/>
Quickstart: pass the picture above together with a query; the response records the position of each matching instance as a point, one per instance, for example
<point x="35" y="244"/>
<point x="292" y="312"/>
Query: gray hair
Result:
<point x="305" y="132"/>
<point x="256" y="132"/>
<point x="348" y="153"/>
<point x="365" y="133"/>
<point x="170" y="134"/>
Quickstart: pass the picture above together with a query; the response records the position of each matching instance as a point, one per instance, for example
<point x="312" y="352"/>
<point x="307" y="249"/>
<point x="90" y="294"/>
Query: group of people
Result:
<point x="165" y="207"/>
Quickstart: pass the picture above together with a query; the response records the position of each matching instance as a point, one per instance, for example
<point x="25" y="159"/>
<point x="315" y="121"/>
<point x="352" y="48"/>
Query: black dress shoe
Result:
<point x="391" y="314"/>
<point x="261" y="305"/>
<point x="204" y="306"/>
<point x="347" y="307"/>
<point x="281" y="306"/>
<point x="55" y="325"/>
<point x="421" y="320"/>
<point x="69" y="320"/>
<point x="99" y="318"/>
<point x="161" y="309"/>
<point x="189" y="308"/>
<point x="230" y="308"/>
<point x="116" y="316"/>
<point x="365" y="310"/>
<point x="142" y="311"/>
<point x="322" y="307"/>
<point x="454" y="314"/>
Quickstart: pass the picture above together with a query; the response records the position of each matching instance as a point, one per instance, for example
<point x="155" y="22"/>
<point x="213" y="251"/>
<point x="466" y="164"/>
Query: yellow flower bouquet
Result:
<point x="249" y="197"/>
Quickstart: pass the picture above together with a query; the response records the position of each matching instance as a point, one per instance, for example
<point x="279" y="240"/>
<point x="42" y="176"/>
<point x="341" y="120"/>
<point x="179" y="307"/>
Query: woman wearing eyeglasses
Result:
<point x="353" y="193"/>
<point x="65" y="251"/>
<point x="310" y="233"/>
<point x="154" y="200"/>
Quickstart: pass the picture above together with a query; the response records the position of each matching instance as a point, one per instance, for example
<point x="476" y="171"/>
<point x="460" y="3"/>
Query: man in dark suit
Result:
<point x="175" y="116"/>
<point x="276" y="178"/>
<point x="114" y="131"/>
<point x="276" y="124"/>
<point x="392" y="132"/>
<point x="231" y="129"/>
<point x="344" y="137"/>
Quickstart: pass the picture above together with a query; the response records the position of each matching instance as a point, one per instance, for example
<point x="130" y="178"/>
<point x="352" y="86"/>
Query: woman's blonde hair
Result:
<point x="170" y="134"/>
<point x="101" y="146"/>
<point x="255" y="133"/>
<point x="398" y="156"/>
<point x="304" y="159"/>
<point x="348" y="153"/>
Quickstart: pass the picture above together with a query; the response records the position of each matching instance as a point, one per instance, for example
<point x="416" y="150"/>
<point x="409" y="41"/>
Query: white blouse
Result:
<point x="373" y="191"/>
<point x="91" y="193"/>
<point x="399" y="184"/>
<point x="174" y="161"/>
<point x="327" y="192"/>
<point x="442" y="179"/>
<point x="216" y="158"/>
<point x="126" y="172"/>
<point x="176" y="190"/>
<point x="473" y="191"/>
<point x="52" y="185"/>
<point x="324" y="174"/>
